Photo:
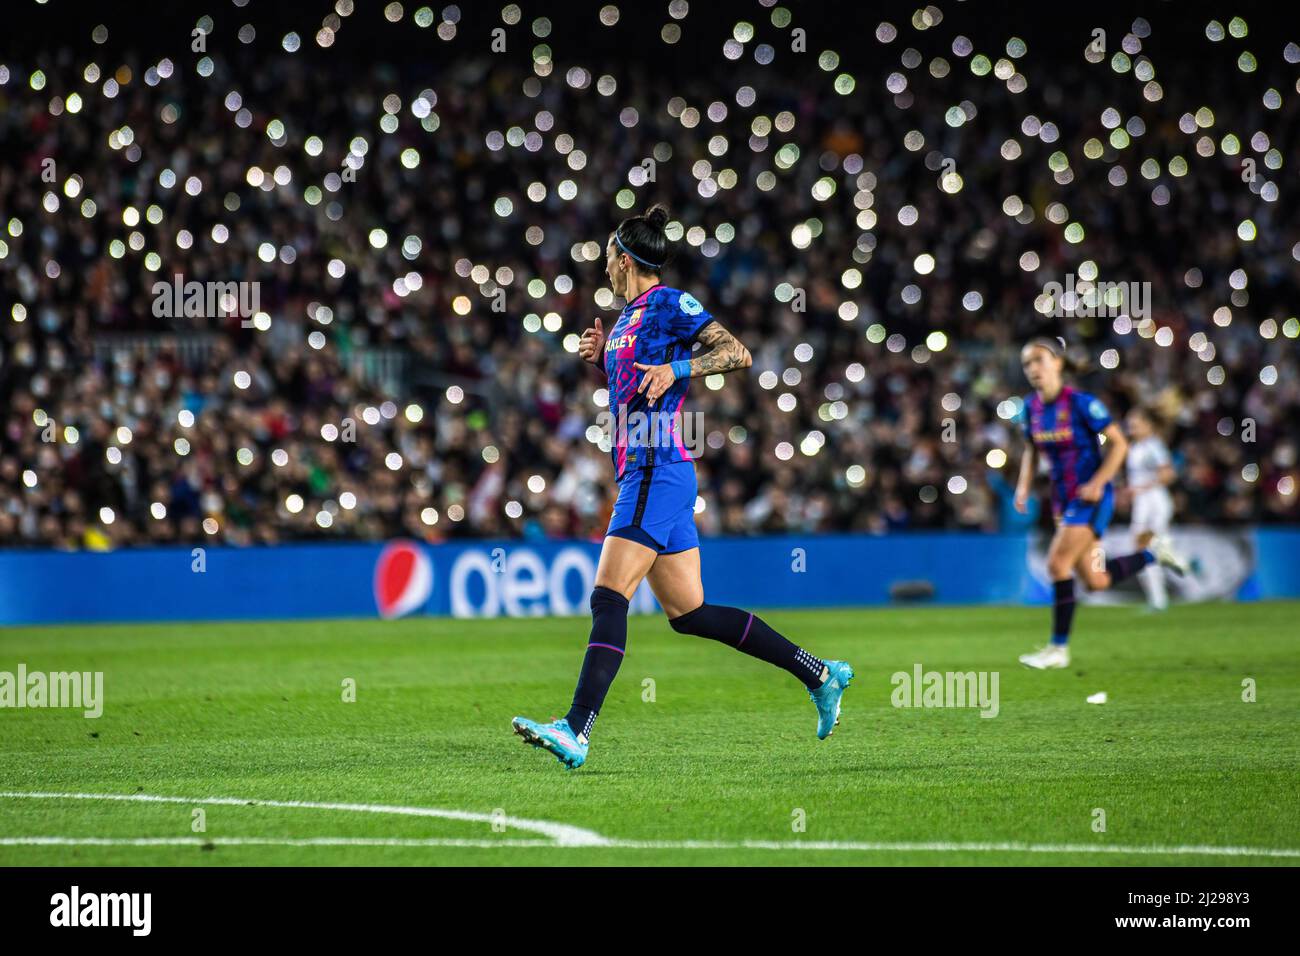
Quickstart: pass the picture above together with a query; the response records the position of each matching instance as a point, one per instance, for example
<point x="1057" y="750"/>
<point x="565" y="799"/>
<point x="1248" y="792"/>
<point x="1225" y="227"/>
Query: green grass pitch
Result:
<point x="720" y="767"/>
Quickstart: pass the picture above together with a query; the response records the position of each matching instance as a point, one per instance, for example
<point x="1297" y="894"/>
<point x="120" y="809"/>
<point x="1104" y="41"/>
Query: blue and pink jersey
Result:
<point x="656" y="328"/>
<point x="1065" y="432"/>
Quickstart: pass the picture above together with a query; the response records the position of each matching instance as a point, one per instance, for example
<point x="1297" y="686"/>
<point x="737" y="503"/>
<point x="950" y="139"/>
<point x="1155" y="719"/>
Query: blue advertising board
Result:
<point x="521" y="579"/>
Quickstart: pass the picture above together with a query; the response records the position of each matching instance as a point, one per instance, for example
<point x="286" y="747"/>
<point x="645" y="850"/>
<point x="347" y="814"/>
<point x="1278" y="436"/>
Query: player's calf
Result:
<point x="750" y="634"/>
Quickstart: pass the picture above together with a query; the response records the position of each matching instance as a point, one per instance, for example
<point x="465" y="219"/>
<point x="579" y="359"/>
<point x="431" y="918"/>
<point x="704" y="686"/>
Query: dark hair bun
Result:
<point x="644" y="239"/>
<point x="656" y="217"/>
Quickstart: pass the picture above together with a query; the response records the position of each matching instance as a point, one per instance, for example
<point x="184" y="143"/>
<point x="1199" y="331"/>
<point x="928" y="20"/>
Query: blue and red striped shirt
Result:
<point x="1065" y="432"/>
<point x="658" y="327"/>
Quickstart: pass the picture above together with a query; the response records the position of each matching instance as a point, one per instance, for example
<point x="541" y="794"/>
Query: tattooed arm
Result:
<point x="724" y="353"/>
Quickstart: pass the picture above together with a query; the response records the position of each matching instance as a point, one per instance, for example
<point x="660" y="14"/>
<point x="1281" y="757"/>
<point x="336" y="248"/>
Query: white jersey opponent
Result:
<point x="1153" y="508"/>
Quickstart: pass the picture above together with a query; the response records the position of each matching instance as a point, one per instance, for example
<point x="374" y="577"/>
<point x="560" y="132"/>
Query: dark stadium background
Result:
<point x="748" y="490"/>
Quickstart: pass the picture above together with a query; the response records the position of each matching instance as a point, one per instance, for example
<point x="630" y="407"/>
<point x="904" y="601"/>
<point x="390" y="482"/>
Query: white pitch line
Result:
<point x="565" y="836"/>
<point x="271" y="841"/>
<point x="561" y="833"/>
<point x="934" y="847"/>
<point x="615" y="844"/>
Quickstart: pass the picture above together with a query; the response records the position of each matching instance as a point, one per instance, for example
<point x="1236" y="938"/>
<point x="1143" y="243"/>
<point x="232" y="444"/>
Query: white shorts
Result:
<point x="1152" y="511"/>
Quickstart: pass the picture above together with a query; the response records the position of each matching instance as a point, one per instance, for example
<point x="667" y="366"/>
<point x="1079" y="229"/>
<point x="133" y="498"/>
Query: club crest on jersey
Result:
<point x="689" y="304"/>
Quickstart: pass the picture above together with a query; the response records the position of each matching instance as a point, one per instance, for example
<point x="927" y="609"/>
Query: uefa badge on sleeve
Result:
<point x="689" y="304"/>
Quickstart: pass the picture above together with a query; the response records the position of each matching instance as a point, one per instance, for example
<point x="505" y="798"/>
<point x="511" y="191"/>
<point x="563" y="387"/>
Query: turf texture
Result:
<point x="701" y="756"/>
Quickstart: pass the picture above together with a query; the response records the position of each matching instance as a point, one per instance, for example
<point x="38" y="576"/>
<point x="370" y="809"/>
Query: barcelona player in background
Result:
<point x="1067" y="426"/>
<point x="646" y="358"/>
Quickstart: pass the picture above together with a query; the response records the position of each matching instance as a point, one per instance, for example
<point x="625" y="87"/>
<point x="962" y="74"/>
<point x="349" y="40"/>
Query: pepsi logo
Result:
<point x="403" y="579"/>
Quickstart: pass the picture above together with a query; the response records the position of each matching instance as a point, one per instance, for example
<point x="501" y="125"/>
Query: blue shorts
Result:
<point x="656" y="507"/>
<point x="1095" y="514"/>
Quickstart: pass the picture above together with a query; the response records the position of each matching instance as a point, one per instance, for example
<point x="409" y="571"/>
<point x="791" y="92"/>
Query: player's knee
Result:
<point x="603" y="598"/>
<point x="1059" y="568"/>
<point x="687" y="623"/>
<point x="1096" y="582"/>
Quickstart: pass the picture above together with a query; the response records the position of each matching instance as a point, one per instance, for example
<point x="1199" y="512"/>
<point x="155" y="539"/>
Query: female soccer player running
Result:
<point x="1150" y="472"/>
<point x="651" y="535"/>
<point x="1062" y="424"/>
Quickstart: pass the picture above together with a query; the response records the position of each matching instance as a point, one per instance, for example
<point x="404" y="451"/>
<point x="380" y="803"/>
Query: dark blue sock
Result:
<point x="751" y="635"/>
<point x="1062" y="610"/>
<point x="1128" y="565"/>
<point x="604" y="655"/>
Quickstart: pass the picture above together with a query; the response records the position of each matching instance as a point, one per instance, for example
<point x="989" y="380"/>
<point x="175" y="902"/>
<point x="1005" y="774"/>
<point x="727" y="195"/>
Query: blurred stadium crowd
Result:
<point x="122" y="428"/>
